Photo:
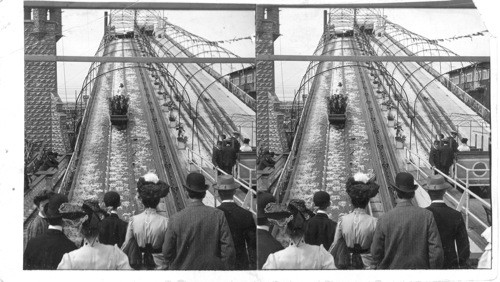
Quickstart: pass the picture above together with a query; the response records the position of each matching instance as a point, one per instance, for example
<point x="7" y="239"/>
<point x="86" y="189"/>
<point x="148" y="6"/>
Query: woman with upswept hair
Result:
<point x="148" y="228"/>
<point x="357" y="228"/>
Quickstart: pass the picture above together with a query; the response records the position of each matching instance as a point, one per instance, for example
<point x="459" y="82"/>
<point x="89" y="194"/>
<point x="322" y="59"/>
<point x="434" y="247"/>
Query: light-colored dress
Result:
<point x="96" y="257"/>
<point x="357" y="227"/>
<point x="301" y="256"/>
<point x="149" y="228"/>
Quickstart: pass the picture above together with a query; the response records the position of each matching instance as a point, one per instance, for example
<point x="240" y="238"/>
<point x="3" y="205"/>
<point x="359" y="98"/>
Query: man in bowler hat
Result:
<point x="320" y="229"/>
<point x="266" y="243"/>
<point x="46" y="251"/>
<point x="450" y="224"/>
<point x="112" y="229"/>
<point x="241" y="224"/>
<point x="198" y="237"/>
<point x="406" y="237"/>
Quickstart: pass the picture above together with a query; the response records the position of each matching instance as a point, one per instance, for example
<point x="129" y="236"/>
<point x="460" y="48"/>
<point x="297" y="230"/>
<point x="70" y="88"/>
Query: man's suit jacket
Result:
<point x="451" y="226"/>
<point x="243" y="232"/>
<point x="266" y="245"/>
<point x="112" y="230"/>
<point x="198" y="238"/>
<point x="434" y="157"/>
<point x="46" y="251"/>
<point x="407" y="237"/>
<point x="37" y="227"/>
<point x="320" y="230"/>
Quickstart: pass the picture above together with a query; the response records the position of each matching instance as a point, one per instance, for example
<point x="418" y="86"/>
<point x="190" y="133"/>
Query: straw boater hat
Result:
<point x="437" y="182"/>
<point x="225" y="183"/>
<point x="361" y="186"/>
<point x="150" y="186"/>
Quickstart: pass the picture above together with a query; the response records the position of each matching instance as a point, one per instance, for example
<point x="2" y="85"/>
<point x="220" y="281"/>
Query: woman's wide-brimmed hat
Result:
<point x="225" y="183"/>
<point x="149" y="186"/>
<point x="361" y="186"/>
<point x="89" y="210"/>
<point x="294" y="215"/>
<point x="437" y="182"/>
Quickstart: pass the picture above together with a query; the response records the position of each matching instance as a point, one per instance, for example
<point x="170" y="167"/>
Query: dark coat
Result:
<point x="112" y="230"/>
<point x="446" y="157"/>
<point x="46" y="251"/>
<point x="451" y="226"/>
<point x="217" y="157"/>
<point x="198" y="238"/>
<point x="434" y="157"/>
<point x="37" y="227"/>
<point x="407" y="237"/>
<point x="320" y="230"/>
<point x="229" y="156"/>
<point x="243" y="232"/>
<point x="266" y="245"/>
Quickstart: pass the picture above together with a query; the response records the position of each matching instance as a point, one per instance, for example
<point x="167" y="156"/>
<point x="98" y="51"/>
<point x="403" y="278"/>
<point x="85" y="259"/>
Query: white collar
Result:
<point x="228" y="201"/>
<point x="40" y="214"/>
<point x="56" y="227"/>
<point x="437" y="201"/>
<point x="321" y="211"/>
<point x="263" y="227"/>
<point x="113" y="211"/>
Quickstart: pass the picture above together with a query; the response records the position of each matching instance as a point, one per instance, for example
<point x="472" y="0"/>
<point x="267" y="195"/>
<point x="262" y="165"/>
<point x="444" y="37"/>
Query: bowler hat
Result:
<point x="150" y="187"/>
<point x="263" y="199"/>
<point x="321" y="198"/>
<point x="52" y="208"/>
<point x="196" y="182"/>
<point x="112" y="199"/>
<point x="437" y="182"/>
<point x="226" y="182"/>
<point x="405" y="182"/>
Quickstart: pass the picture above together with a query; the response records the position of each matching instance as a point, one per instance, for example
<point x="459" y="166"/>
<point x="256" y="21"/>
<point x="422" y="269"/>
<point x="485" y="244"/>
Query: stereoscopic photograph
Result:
<point x="249" y="140"/>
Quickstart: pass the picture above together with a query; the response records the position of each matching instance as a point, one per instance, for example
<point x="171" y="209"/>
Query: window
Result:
<point x="249" y="78"/>
<point x="469" y="77"/>
<point x="486" y="74"/>
<point x="236" y="81"/>
<point x="28" y="14"/>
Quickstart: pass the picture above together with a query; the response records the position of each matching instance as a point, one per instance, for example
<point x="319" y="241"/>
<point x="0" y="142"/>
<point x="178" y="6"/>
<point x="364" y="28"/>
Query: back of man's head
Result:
<point x="436" y="194"/>
<point x="196" y="195"/>
<point x="405" y="195"/>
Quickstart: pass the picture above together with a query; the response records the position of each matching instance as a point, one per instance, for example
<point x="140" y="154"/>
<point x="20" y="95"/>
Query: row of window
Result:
<point x="28" y="15"/>
<point x="471" y="76"/>
<point x="243" y="79"/>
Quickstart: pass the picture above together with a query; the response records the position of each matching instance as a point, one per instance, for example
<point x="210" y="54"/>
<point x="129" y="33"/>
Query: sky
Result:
<point x="300" y="31"/>
<point x="300" y="34"/>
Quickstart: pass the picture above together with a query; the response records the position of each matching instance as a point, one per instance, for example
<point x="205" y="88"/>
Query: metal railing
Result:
<point x="463" y="203"/>
<point x="202" y="164"/>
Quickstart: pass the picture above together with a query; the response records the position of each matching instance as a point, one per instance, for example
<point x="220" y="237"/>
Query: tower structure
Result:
<point x="270" y="133"/>
<point x="44" y="118"/>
